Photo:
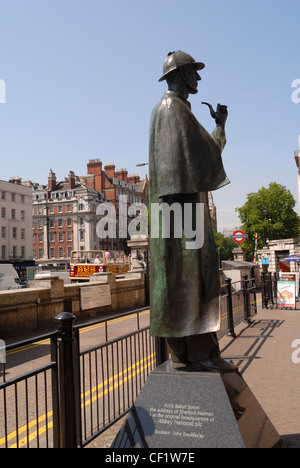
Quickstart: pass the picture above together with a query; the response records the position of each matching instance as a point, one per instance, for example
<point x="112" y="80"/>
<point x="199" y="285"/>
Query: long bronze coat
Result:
<point x="184" y="163"/>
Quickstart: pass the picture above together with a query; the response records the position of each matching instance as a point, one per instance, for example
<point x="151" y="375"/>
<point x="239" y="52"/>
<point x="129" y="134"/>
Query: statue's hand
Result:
<point x="221" y="115"/>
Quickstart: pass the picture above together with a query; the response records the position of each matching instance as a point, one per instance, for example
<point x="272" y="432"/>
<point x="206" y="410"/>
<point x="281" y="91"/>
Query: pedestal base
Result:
<point x="181" y="409"/>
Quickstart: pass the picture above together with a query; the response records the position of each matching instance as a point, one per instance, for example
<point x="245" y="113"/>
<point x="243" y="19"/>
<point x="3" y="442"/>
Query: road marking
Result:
<point x="144" y="363"/>
<point x="86" y="329"/>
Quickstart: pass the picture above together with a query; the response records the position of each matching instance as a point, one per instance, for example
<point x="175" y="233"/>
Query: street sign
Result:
<point x="239" y="236"/>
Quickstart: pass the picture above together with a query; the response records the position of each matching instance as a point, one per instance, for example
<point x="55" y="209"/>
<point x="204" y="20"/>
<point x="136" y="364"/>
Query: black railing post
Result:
<point x="270" y="289"/>
<point x="264" y="291"/>
<point x="68" y="372"/>
<point x="246" y="299"/>
<point x="230" y="322"/>
<point x="55" y="393"/>
<point x="275" y="287"/>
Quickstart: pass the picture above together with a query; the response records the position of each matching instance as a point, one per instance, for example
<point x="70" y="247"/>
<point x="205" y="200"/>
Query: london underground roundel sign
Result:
<point x="239" y="236"/>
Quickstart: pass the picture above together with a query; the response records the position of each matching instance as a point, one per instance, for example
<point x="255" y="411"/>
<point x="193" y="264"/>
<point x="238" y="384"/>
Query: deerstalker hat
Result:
<point x="177" y="60"/>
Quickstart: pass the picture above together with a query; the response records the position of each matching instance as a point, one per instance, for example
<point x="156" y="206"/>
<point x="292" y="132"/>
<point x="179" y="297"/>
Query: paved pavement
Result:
<point x="268" y="362"/>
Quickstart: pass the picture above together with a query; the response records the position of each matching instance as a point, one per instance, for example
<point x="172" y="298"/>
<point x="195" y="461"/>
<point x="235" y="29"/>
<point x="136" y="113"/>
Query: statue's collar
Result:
<point x="169" y="94"/>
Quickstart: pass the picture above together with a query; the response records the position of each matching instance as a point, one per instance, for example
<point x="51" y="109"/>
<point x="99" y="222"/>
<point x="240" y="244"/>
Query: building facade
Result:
<point x="66" y="214"/>
<point x="15" y="222"/>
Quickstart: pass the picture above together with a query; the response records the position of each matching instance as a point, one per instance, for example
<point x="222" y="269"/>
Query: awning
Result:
<point x="292" y="258"/>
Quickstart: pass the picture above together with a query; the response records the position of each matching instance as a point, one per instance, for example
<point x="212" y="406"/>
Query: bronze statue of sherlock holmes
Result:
<point x="185" y="163"/>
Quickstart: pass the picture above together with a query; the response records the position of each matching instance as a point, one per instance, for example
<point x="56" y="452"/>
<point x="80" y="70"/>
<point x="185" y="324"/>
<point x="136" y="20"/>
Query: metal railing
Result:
<point x="78" y="394"/>
<point x="238" y="303"/>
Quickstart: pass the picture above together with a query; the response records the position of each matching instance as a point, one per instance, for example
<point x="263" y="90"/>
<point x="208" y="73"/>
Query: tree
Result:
<point x="225" y="246"/>
<point x="269" y="213"/>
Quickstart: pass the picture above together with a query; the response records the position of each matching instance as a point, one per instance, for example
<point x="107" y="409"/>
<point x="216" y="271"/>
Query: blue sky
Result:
<point x="81" y="82"/>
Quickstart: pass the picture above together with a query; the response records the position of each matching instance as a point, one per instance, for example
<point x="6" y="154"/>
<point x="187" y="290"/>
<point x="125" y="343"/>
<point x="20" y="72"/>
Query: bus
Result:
<point x="84" y="263"/>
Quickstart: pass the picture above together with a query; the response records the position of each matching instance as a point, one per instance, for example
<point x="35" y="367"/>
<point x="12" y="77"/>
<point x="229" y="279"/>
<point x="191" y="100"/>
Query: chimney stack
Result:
<point x="71" y="180"/>
<point x="94" y="168"/>
<point x="51" y="180"/>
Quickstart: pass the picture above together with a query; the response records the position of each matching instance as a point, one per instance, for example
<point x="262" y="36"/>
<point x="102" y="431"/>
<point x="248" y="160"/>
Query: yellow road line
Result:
<point x="41" y="430"/>
<point x="83" y="330"/>
<point x="24" y="428"/>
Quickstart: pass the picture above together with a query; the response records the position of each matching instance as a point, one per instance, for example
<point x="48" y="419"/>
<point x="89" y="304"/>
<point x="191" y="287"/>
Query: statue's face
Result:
<point x="191" y="78"/>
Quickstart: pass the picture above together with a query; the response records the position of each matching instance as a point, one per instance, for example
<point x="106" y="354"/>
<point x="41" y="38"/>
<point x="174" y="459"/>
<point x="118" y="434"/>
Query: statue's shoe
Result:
<point x="214" y="364"/>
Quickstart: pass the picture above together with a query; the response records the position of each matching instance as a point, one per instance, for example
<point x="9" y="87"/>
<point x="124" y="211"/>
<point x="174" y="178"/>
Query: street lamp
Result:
<point x="264" y="212"/>
<point x="142" y="164"/>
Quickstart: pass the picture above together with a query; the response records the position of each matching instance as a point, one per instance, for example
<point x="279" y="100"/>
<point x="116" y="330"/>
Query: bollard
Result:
<point x="69" y="382"/>
<point x="229" y="308"/>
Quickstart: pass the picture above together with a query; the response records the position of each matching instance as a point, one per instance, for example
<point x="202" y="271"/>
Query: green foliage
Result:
<point x="225" y="244"/>
<point x="269" y="213"/>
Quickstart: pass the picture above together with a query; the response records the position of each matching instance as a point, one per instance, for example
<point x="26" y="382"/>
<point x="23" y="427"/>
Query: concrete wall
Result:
<point x="30" y="310"/>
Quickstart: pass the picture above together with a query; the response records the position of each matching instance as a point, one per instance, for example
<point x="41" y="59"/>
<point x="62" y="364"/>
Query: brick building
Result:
<point x="65" y="213"/>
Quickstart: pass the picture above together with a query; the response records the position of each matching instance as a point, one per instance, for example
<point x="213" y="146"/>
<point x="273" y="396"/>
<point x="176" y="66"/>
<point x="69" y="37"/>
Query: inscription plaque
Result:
<point x="95" y="296"/>
<point x="181" y="409"/>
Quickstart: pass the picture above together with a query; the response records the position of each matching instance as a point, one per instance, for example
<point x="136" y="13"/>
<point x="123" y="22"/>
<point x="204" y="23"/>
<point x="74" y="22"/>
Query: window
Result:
<point x="69" y="222"/>
<point x="13" y="214"/>
<point x="69" y="236"/>
<point x="40" y="255"/>
<point x="52" y="252"/>
<point x="82" y="235"/>
<point x="51" y="209"/>
<point x="52" y="237"/>
<point x="23" y="234"/>
<point x="61" y="252"/>
<point x="3" y="251"/>
<point x="3" y="213"/>
<point x="22" y="215"/>
<point x="51" y="224"/>
<point x="3" y="232"/>
<point x="69" y="251"/>
<point x="3" y="195"/>
<point x="60" y="237"/>
<point x="40" y="210"/>
<point x="23" y="250"/>
<point x="81" y="207"/>
<point x="40" y="224"/>
<point x="15" y="251"/>
<point x="60" y="223"/>
<point x="14" y="233"/>
<point x="60" y="209"/>
<point x="13" y="197"/>
<point x="40" y="238"/>
<point x="69" y="208"/>
<point x="22" y="199"/>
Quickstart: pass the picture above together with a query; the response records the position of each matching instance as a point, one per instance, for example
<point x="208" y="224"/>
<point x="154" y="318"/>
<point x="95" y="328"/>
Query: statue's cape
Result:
<point x="184" y="157"/>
